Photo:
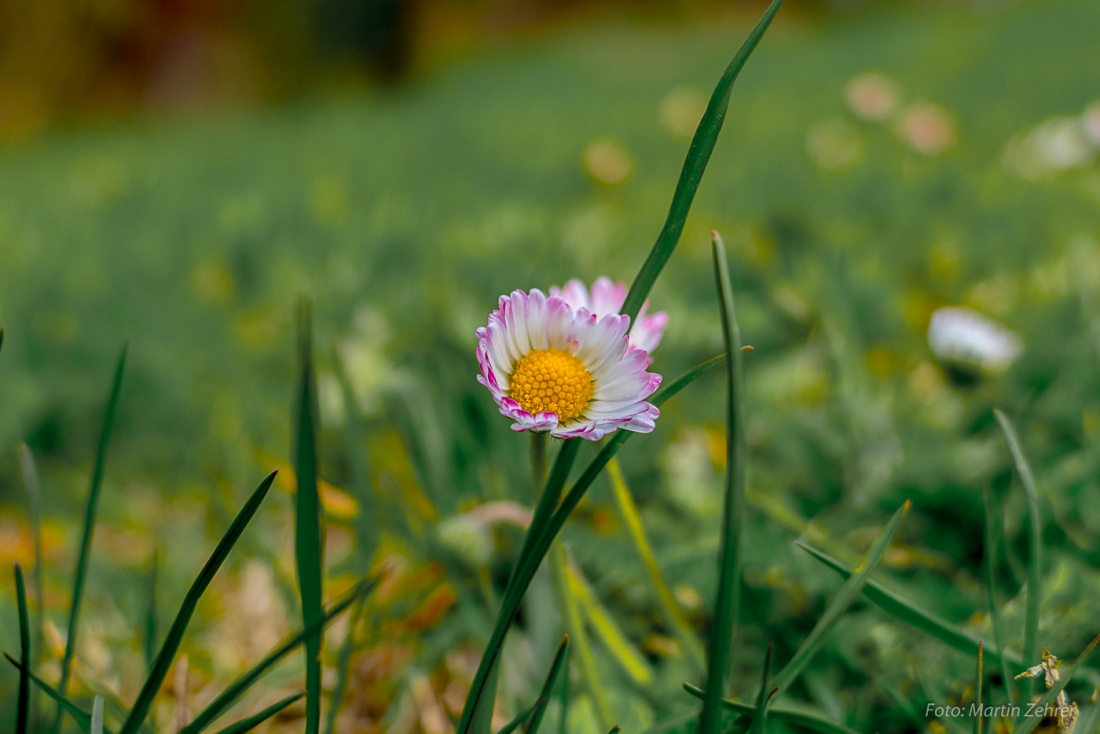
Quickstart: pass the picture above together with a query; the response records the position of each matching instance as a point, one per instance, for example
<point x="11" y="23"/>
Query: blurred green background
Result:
<point x="177" y="174"/>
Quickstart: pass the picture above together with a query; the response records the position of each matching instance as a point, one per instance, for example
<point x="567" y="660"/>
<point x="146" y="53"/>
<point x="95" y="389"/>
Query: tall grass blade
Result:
<point x="603" y="624"/>
<point x="979" y="720"/>
<point x="728" y="597"/>
<point x="97" y="716"/>
<point x="840" y="602"/>
<point x="308" y="540"/>
<point x="22" y="714"/>
<point x="759" y="719"/>
<point x="1035" y="545"/>
<point x="1028" y="723"/>
<point x="343" y="670"/>
<point x="89" y="529"/>
<point x="175" y="634"/>
<point x="150" y="631"/>
<point x="907" y="612"/>
<point x="256" y="719"/>
<point x="811" y="721"/>
<point x="82" y="717"/>
<point x="991" y="591"/>
<point x="557" y="667"/>
<point x="698" y="155"/>
<point x="34" y="495"/>
<point x="235" y="690"/>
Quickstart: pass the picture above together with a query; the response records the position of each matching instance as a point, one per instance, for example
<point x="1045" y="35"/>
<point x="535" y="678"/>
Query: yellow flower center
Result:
<point x="550" y="380"/>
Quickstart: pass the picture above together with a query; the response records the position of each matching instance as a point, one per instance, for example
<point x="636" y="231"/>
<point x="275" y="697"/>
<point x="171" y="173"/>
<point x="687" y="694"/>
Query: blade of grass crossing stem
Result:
<point x="698" y="155"/>
<point x="151" y="612"/>
<point x="989" y="562"/>
<point x="563" y="699"/>
<point x="22" y="714"/>
<point x="540" y="535"/>
<point x="308" y="539"/>
<point x="1035" y="545"/>
<point x="343" y="669"/>
<point x="839" y="603"/>
<point x="34" y="496"/>
<point x="89" y="528"/>
<point x="905" y="611"/>
<point x="727" y="598"/>
<point x="807" y="720"/>
<point x="560" y="663"/>
<point x="979" y="720"/>
<point x="179" y="626"/>
<point x="82" y="717"/>
<point x="97" y="716"/>
<point x="256" y="719"/>
<point x="235" y="690"/>
<point x="1028" y="723"/>
<point x="759" y="719"/>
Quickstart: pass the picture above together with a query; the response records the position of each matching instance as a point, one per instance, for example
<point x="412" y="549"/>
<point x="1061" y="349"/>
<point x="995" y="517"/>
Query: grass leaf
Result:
<point x="759" y="719"/>
<point x="728" y="597"/>
<point x="89" y="529"/>
<point x="1035" y="545"/>
<point x="979" y="720"/>
<point x="805" y="719"/>
<point x="151" y="612"/>
<point x="82" y="717"/>
<point x="34" y="495"/>
<point x="840" y="602"/>
<point x="698" y="155"/>
<point x="235" y="690"/>
<point x="308" y="539"/>
<point x="343" y="669"/>
<point x="560" y="664"/>
<point x="1028" y="723"/>
<point x="991" y="591"/>
<point x="256" y="719"/>
<point x="179" y="626"/>
<point x="22" y="715"/>
<point x="97" y="716"/>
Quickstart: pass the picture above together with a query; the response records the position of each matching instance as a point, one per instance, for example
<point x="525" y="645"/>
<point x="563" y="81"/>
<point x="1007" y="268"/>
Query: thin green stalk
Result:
<point x="89" y="528"/>
<point x="343" y="669"/>
<point x="558" y="667"/>
<point x="760" y="717"/>
<point x="805" y="719"/>
<point x="97" y="716"/>
<point x="151" y="612"/>
<point x="256" y="719"/>
<point x="666" y="602"/>
<point x="82" y="717"/>
<point x="1035" y="544"/>
<point x="34" y="495"/>
<point x="991" y="592"/>
<point x="727" y="599"/>
<point x="979" y="720"/>
<point x="22" y="714"/>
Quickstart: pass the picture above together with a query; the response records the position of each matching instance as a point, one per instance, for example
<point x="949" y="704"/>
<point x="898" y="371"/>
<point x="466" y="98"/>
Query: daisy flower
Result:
<point x="607" y="298"/>
<point x="569" y="372"/>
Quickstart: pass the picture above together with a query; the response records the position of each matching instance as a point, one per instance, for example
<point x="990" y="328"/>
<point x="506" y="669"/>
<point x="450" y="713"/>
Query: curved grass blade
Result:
<point x="175" y="634"/>
<point x="991" y="591"/>
<point x="905" y="611"/>
<point x="1035" y="546"/>
<point x="759" y="718"/>
<point x="255" y="720"/>
<point x="96" y="726"/>
<point x="728" y="597"/>
<point x="22" y="714"/>
<point x="805" y="719"/>
<point x="82" y="717"/>
<point x="89" y="529"/>
<point x="235" y="690"/>
<point x="541" y="534"/>
<point x="1028" y="723"/>
<point x="840" y="602"/>
<point x="308" y="539"/>
<point x="979" y="720"/>
<point x="698" y="155"/>
<point x="560" y="664"/>
<point x="343" y="668"/>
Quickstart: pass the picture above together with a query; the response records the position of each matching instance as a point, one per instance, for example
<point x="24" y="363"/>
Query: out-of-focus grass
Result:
<point x="405" y="213"/>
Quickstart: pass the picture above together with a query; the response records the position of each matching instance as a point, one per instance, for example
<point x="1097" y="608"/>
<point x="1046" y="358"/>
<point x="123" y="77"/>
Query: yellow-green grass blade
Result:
<point x="255" y="720"/>
<point x="728" y="597"/>
<point x="698" y="155"/>
<point x="805" y="719"/>
<point x="840" y="603"/>
<point x="308" y="539"/>
<point x="979" y="720"/>
<point x="666" y="602"/>
<point x="629" y="660"/>
<point x="235" y="690"/>
<point x="22" y="714"/>
<point x="1035" y="546"/>
<point x="991" y="591"/>
<point x="905" y="611"/>
<point x="97" y="716"/>
<point x="82" y="717"/>
<point x="1028" y="723"/>
<point x="559" y="666"/>
<point x="541" y="534"/>
<point x="89" y="529"/>
<point x="760" y="717"/>
<point x="159" y="670"/>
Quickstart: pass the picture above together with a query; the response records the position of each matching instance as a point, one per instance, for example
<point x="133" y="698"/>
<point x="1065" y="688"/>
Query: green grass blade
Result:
<point x="22" y="715"/>
<point x="343" y="670"/>
<point x="34" y="495"/>
<point x="1028" y="723"/>
<point x="89" y="528"/>
<point x="810" y="721"/>
<point x="1" y="338"/>
<point x="175" y="634"/>
<point x="256" y="719"/>
<point x="840" y="602"/>
<point x="728" y="597"/>
<point x="991" y="591"/>
<point x="979" y="720"/>
<point x="1035" y="545"/>
<point x="96" y="726"/>
<point x="82" y="717"/>
<point x="560" y="664"/>
<point x="698" y="155"/>
<point x="912" y="615"/>
<point x="150" y="631"/>
<point x="235" y="690"/>
<point x="759" y="721"/>
<point x="308" y="539"/>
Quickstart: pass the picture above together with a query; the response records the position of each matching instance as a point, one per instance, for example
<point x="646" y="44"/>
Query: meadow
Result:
<point x="873" y="168"/>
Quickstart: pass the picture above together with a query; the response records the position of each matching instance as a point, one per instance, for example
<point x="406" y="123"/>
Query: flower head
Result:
<point x="554" y="368"/>
<point x="607" y="298"/>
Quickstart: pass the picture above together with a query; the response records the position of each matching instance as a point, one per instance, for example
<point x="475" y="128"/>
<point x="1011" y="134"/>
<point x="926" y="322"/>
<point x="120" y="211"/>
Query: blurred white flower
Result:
<point x="872" y="96"/>
<point x="1055" y="145"/>
<point x="1090" y="123"/>
<point x="963" y="338"/>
